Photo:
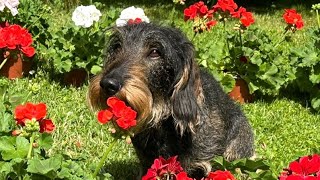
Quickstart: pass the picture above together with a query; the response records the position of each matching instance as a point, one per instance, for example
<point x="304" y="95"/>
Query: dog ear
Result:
<point x="187" y="92"/>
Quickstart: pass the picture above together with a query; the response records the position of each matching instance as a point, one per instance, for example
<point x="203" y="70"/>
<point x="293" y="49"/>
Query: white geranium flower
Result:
<point x="11" y="5"/>
<point x="2" y="6"/>
<point x="84" y="16"/>
<point x="94" y="13"/>
<point x="131" y="13"/>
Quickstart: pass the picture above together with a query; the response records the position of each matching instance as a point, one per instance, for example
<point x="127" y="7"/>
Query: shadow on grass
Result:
<point x="123" y="170"/>
<point x="291" y="93"/>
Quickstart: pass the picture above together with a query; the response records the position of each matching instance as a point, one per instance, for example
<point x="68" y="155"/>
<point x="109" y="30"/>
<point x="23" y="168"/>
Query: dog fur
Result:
<point x="182" y="110"/>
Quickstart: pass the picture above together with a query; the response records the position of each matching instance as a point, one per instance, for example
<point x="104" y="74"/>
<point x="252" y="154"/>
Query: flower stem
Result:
<point x="241" y="44"/>
<point x="3" y="62"/>
<point x="226" y="35"/>
<point x="31" y="145"/>
<point x="103" y="159"/>
<point x="318" y="18"/>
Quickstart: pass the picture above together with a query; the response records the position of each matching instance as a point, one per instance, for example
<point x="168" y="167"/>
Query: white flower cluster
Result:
<point x="84" y="16"/>
<point x="10" y="4"/>
<point x="131" y="13"/>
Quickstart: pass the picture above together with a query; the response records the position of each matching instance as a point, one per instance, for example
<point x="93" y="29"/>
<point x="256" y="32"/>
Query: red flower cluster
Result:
<point x="29" y="111"/>
<point x="225" y="5"/>
<point x="166" y="169"/>
<point x="220" y="175"/>
<point x="306" y="167"/>
<point x="172" y="170"/>
<point x="124" y="115"/>
<point x="246" y="18"/>
<point x="201" y="15"/>
<point x="293" y="19"/>
<point x="14" y="37"/>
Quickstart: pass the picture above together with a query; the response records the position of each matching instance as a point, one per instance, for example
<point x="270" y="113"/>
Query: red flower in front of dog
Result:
<point x="306" y="167"/>
<point x="220" y="175"/>
<point x="124" y="116"/>
<point x="169" y="168"/>
<point x="293" y="19"/>
<point x="35" y="112"/>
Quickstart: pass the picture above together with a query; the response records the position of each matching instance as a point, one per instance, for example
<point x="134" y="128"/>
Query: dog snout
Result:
<point x="110" y="85"/>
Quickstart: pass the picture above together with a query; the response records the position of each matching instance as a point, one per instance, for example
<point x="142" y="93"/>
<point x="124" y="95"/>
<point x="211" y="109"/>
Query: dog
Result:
<point x="182" y="110"/>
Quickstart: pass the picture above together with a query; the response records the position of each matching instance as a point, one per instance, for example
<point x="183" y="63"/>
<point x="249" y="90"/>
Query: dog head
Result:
<point x="152" y="68"/>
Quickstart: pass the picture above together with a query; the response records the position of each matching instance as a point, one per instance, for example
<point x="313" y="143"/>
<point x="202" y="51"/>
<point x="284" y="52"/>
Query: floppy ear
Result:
<point x="187" y="92"/>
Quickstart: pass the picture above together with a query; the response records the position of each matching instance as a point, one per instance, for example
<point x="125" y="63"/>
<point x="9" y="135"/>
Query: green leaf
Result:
<point x="227" y="82"/>
<point x="7" y="143"/>
<point x="310" y="59"/>
<point x="5" y="167"/>
<point x="95" y="69"/>
<point x="256" y="58"/>
<point x="45" y="141"/>
<point x="315" y="102"/>
<point x="6" y="122"/>
<point x="66" y="65"/>
<point x="19" y="149"/>
<point x="47" y="167"/>
<point x="252" y="87"/>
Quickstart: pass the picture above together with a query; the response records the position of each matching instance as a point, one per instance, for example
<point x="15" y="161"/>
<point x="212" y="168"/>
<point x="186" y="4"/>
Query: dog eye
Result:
<point x="154" y="54"/>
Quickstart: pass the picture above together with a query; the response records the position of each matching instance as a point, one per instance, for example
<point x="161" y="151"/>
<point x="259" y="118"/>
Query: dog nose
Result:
<point x="110" y="85"/>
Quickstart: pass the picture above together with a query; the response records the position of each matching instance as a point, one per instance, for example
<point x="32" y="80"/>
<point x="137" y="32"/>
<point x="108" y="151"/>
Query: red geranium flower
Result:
<point x="166" y="168"/>
<point x="36" y="112"/>
<point x="124" y="116"/>
<point x="14" y="37"/>
<point x="220" y="175"/>
<point x="190" y="13"/>
<point x="46" y="125"/>
<point x="246" y="19"/>
<point x="225" y="5"/>
<point x="237" y="14"/>
<point x="104" y="116"/>
<point x="293" y="18"/>
<point x="183" y="176"/>
<point x="307" y="167"/>
<point x="211" y="24"/>
<point x="30" y="111"/>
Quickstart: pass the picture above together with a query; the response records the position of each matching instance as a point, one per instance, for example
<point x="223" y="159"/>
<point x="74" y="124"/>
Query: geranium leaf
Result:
<point x="5" y="167"/>
<point x="19" y="149"/>
<point x="315" y="102"/>
<point x="45" y="141"/>
<point x="95" y="69"/>
<point x="252" y="87"/>
<point x="7" y="143"/>
<point x="6" y="122"/>
<point x="47" y="167"/>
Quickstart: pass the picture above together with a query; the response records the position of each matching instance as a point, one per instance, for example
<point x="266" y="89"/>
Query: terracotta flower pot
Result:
<point x="240" y="92"/>
<point x="15" y="67"/>
<point x="76" y="77"/>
